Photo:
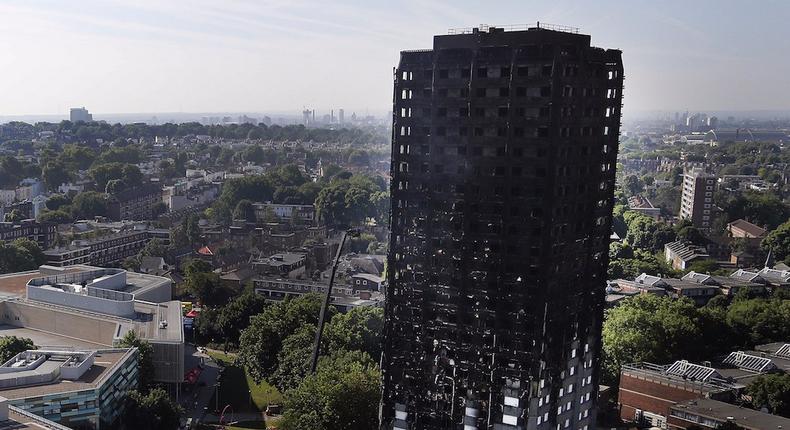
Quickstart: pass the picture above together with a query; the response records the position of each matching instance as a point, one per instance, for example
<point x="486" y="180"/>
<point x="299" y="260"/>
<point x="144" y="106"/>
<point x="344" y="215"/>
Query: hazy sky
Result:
<point x="116" y="56"/>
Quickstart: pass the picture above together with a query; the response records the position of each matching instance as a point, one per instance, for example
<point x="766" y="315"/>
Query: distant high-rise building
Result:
<point x="713" y="122"/>
<point x="80" y="114"/>
<point x="331" y="115"/>
<point x="696" y="199"/>
<point x="503" y="168"/>
<point x="341" y="116"/>
<point x="306" y="117"/>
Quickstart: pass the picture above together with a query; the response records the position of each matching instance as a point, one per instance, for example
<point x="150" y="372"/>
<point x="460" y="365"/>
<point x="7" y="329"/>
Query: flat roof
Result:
<point x="14" y="284"/>
<point x="721" y="411"/>
<point x="105" y="362"/>
<point x="20" y="420"/>
<point x="43" y="339"/>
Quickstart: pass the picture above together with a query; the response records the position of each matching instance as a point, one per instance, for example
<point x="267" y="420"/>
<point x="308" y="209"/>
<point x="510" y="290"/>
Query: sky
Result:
<point x="119" y="56"/>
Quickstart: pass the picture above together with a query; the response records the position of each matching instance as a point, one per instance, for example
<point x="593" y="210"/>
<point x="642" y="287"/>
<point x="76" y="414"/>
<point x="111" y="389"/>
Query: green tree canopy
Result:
<point x="262" y="340"/>
<point x="772" y="392"/>
<point x="155" y="410"/>
<point x="20" y="255"/>
<point x="778" y="242"/>
<point x="357" y="330"/>
<point x="342" y="395"/>
<point x="145" y="356"/>
<point x="89" y="204"/>
<point x="12" y="345"/>
<point x="650" y="328"/>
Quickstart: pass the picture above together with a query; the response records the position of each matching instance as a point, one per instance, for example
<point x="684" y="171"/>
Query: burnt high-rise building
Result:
<point x="503" y="170"/>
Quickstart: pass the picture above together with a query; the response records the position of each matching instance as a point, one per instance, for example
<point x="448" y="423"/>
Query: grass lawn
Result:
<point x="236" y="386"/>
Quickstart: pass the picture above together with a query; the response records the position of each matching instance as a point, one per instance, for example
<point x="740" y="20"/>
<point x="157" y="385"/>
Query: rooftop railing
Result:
<point x="485" y="28"/>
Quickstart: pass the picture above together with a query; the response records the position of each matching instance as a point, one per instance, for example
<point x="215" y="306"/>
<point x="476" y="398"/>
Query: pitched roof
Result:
<point x="749" y="228"/>
<point x="691" y="371"/>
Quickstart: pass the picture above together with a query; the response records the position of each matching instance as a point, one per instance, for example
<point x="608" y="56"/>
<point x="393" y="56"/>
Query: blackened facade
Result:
<point x="503" y="169"/>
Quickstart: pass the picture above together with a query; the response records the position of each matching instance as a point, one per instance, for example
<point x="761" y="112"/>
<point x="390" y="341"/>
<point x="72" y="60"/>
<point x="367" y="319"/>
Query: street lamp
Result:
<point x="216" y="396"/>
<point x="327" y="298"/>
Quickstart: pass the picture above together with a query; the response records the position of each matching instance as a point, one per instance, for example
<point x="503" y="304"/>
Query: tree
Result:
<point x="764" y="209"/>
<point x="342" y="394"/>
<point x="205" y="287"/>
<point x="707" y="265"/>
<point x="145" y="355"/>
<point x="56" y="217"/>
<point x="357" y="330"/>
<point x="262" y="340"/>
<point x="235" y="316"/>
<point x="633" y="185"/>
<point x="759" y="321"/>
<point x="88" y="205"/>
<point x="778" y="242"/>
<point x="10" y="346"/>
<point x="155" y="410"/>
<point x="14" y="216"/>
<point x="649" y="328"/>
<point x="244" y="210"/>
<point x="20" y="255"/>
<point x="293" y="360"/>
<point x="192" y="229"/>
<point x="691" y="234"/>
<point x="57" y="201"/>
<point x="771" y="391"/>
<point x="54" y="174"/>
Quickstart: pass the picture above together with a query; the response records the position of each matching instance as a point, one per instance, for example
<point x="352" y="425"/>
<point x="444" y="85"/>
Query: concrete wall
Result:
<point x="81" y="327"/>
<point x="160" y="293"/>
<point x="94" y="302"/>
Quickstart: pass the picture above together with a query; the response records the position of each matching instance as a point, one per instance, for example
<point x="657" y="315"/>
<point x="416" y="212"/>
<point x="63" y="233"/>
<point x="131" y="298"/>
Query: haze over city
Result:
<point x="280" y="56"/>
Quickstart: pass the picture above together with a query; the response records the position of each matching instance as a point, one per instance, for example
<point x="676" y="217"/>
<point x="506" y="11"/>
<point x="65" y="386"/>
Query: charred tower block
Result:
<point x="503" y="170"/>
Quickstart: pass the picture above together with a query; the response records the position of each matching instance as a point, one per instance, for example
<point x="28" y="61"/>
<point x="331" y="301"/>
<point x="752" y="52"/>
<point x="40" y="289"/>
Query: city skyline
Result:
<point x="151" y="57"/>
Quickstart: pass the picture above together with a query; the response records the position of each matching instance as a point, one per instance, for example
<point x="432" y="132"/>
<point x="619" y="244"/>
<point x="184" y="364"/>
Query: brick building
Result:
<point x="136" y="204"/>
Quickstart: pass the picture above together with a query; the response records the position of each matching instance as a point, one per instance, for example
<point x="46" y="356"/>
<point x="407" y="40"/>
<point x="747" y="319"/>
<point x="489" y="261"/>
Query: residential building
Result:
<point x="107" y="250"/>
<point x="712" y="414"/>
<point x="343" y="298"/>
<point x="647" y="391"/>
<point x="696" y="201"/>
<point x="44" y="234"/>
<point x="268" y="212"/>
<point x="136" y="204"/>
<point x="366" y="281"/>
<point x="681" y="254"/>
<point x="643" y="205"/>
<point x="75" y="388"/>
<point x="80" y="114"/>
<point x="287" y="264"/>
<point x="727" y="286"/>
<point x="744" y="229"/>
<point x="503" y="162"/>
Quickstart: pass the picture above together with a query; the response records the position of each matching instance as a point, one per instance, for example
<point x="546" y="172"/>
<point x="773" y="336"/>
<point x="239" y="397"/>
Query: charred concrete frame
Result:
<point x="503" y="169"/>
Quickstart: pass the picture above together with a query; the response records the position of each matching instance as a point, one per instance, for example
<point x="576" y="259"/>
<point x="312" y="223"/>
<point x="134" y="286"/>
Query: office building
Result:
<point x="696" y="200"/>
<point x="84" y="307"/>
<point x="341" y="116"/>
<point x="80" y="114"/>
<point x="75" y="388"/>
<point x="503" y="169"/>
